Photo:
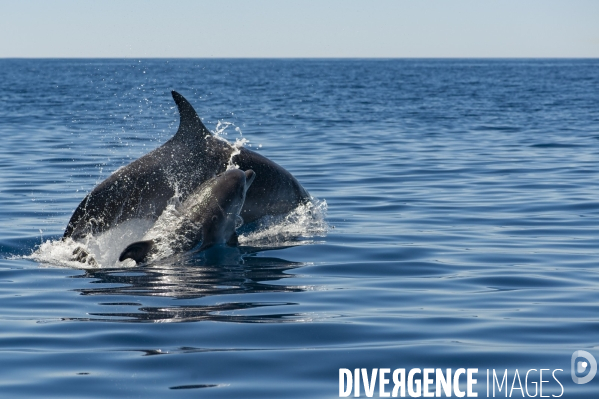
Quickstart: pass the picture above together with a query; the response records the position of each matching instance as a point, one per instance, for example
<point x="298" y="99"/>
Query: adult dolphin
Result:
<point x="193" y="155"/>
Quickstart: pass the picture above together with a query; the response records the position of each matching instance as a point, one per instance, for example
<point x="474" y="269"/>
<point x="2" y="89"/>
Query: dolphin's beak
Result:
<point x="249" y="178"/>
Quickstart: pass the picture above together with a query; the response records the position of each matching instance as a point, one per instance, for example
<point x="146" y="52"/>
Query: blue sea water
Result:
<point x="461" y="227"/>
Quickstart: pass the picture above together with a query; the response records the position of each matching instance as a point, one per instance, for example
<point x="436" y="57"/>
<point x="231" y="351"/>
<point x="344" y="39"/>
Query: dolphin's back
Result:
<point x="274" y="191"/>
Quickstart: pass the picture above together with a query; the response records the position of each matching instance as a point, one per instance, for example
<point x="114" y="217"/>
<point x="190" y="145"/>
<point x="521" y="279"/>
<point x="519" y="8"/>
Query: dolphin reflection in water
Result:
<point x="188" y="276"/>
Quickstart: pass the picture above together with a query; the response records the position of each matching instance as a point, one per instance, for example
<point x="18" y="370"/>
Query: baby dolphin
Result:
<point x="210" y="215"/>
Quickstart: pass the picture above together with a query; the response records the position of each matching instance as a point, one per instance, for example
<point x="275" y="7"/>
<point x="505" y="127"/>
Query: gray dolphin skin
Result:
<point x="193" y="155"/>
<point x="210" y="215"/>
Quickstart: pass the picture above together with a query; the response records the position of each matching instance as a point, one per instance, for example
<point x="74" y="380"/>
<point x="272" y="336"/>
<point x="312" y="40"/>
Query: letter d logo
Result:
<point x="582" y="366"/>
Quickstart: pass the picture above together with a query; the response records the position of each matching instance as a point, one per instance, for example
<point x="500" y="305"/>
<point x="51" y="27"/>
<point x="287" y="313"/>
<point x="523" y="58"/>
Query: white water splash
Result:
<point x="239" y="142"/>
<point x="305" y="221"/>
<point x="102" y="251"/>
<point x="221" y="132"/>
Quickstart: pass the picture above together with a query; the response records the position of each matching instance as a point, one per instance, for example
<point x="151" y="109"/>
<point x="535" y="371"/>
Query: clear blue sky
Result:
<point x="311" y="28"/>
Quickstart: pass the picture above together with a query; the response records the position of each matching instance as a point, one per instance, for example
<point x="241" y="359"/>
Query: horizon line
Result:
<point x="302" y="58"/>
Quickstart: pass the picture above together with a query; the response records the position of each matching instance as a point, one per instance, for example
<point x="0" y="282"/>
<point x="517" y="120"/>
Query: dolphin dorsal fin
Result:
<point x="190" y="125"/>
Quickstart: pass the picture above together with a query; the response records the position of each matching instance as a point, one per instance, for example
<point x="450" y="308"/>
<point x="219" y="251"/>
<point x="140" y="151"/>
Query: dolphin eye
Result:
<point x="214" y="218"/>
